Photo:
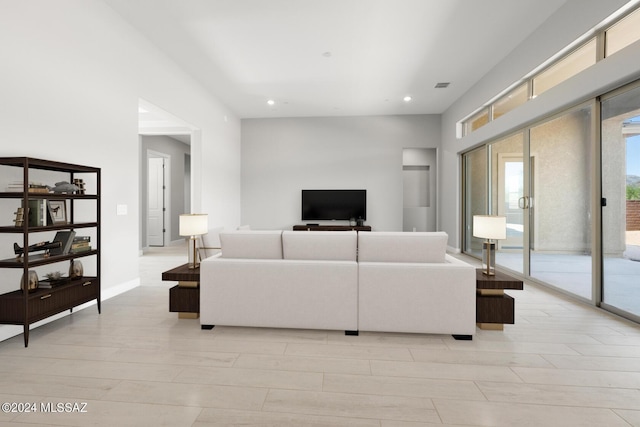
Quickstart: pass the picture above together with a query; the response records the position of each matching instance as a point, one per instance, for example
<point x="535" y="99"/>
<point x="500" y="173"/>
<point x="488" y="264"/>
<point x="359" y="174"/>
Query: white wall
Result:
<point x="571" y="21"/>
<point x="280" y="157"/>
<point x="71" y="77"/>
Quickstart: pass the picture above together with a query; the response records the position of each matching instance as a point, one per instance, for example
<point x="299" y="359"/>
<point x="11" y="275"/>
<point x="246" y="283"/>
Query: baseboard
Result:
<point x="10" y="331"/>
<point x="453" y="250"/>
<point x="112" y="291"/>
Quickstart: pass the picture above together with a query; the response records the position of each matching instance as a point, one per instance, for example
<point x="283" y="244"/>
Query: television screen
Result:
<point x="334" y="204"/>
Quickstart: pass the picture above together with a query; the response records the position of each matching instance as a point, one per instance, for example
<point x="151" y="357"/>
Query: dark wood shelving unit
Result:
<point x="24" y="306"/>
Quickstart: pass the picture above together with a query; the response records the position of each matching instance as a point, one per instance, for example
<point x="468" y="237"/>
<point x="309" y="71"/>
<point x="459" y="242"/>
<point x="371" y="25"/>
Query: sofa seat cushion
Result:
<point x="421" y="247"/>
<point x="253" y="244"/>
<point x="320" y="245"/>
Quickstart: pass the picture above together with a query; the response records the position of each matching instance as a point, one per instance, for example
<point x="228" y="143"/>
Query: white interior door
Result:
<point x="155" y="203"/>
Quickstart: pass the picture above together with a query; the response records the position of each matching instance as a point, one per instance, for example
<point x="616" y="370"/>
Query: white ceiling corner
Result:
<point x="248" y="51"/>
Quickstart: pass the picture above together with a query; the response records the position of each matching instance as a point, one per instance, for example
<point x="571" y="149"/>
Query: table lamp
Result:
<point x="489" y="227"/>
<point x="193" y="225"/>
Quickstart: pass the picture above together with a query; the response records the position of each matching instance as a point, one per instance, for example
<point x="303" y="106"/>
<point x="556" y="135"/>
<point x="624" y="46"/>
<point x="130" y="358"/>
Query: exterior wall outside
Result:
<point x="561" y="152"/>
<point x="613" y="187"/>
<point x="633" y="215"/>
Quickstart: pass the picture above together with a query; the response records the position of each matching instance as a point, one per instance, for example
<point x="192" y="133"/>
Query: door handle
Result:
<point x="523" y="202"/>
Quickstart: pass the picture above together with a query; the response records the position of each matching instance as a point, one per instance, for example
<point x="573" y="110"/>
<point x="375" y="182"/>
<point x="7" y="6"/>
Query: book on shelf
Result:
<point x="38" y="214"/>
<point x="33" y="187"/>
<point x="48" y="284"/>
<point x="80" y="244"/>
<point x="66" y="238"/>
<point x="80" y="249"/>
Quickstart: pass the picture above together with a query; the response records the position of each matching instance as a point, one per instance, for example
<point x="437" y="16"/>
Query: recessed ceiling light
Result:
<point x="327" y="54"/>
<point x="271" y="102"/>
<point x="442" y="85"/>
<point x="406" y="98"/>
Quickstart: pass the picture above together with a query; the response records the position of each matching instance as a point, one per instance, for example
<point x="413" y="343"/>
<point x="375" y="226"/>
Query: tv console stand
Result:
<point x="331" y="227"/>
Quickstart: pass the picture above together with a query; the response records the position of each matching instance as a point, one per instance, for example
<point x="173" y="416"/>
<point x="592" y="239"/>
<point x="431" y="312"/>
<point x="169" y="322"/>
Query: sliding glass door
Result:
<point x="540" y="180"/>
<point x="508" y="197"/>
<point x="560" y="202"/>
<point x="475" y="203"/>
<point x="620" y="128"/>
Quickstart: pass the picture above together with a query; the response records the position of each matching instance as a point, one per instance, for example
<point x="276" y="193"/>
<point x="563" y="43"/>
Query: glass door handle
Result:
<point x="523" y="202"/>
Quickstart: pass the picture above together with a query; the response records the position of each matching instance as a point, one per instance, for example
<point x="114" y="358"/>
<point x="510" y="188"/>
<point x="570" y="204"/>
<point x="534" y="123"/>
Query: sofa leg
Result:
<point x="463" y="337"/>
<point x="354" y="333"/>
<point x="207" y="327"/>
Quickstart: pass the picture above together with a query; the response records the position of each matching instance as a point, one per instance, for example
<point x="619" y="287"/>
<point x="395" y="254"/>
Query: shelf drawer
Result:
<point x="495" y="309"/>
<point x="44" y="303"/>
<point x="64" y="298"/>
<point x="186" y="300"/>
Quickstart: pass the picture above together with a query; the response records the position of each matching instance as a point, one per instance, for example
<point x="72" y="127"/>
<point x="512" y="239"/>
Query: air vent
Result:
<point x="442" y="85"/>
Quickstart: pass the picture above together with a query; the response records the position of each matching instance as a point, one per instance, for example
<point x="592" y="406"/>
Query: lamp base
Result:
<point x="192" y="254"/>
<point x="489" y="258"/>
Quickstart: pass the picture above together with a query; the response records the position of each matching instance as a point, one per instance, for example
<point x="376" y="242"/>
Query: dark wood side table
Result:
<point x="494" y="308"/>
<point x="184" y="298"/>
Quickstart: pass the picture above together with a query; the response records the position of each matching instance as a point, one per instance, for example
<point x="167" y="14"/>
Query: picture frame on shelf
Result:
<point x="57" y="211"/>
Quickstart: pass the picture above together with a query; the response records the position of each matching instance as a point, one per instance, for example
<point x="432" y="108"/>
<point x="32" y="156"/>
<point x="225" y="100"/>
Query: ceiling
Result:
<point x="336" y="57"/>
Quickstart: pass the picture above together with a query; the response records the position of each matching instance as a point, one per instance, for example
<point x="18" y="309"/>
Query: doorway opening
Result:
<point x="165" y="187"/>
<point x="419" y="173"/>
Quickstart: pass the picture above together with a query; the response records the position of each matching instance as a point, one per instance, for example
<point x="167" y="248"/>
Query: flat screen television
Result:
<point x="319" y="205"/>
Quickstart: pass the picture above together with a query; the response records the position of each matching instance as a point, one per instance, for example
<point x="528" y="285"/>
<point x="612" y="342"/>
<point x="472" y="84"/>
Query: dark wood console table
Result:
<point x="494" y="308"/>
<point x="184" y="298"/>
<point x="331" y="227"/>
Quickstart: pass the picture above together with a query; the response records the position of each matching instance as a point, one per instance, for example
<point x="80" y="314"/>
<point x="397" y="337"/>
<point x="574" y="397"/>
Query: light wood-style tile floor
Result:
<point x="562" y="364"/>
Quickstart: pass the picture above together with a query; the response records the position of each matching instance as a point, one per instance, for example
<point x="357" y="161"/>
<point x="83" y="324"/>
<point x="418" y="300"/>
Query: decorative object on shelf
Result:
<point x="360" y="222"/>
<point x="57" y="211"/>
<point x="193" y="225"/>
<point x="76" y="270"/>
<point x="32" y="281"/>
<point x="490" y="227"/>
<point x="80" y="184"/>
<point x="352" y="222"/>
<point x="41" y="246"/>
<point x="64" y="187"/>
<point x="53" y="279"/>
<point x="19" y="221"/>
<point x="55" y="275"/>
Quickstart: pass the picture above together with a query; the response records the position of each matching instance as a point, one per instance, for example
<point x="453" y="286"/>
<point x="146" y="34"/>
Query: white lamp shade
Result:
<point x="194" y="224"/>
<point x="490" y="227"/>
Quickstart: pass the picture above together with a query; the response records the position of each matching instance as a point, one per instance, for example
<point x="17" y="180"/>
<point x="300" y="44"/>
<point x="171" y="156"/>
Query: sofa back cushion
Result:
<point x="423" y="247"/>
<point x="254" y="244"/>
<point x="320" y="245"/>
<point x="209" y="243"/>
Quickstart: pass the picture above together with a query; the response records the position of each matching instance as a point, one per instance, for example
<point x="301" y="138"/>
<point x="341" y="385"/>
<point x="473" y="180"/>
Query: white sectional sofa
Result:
<point x="408" y="283"/>
<point x="306" y="280"/>
<point x="338" y="280"/>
